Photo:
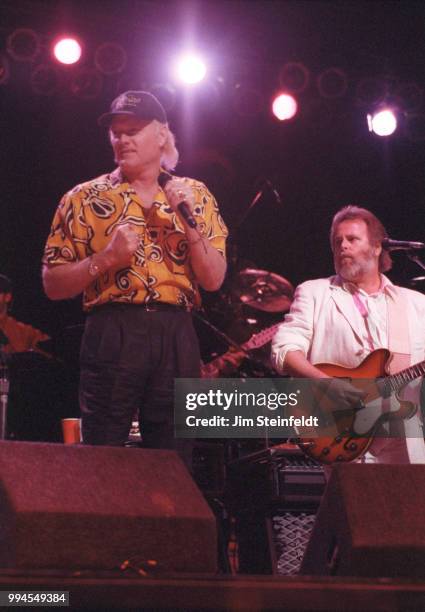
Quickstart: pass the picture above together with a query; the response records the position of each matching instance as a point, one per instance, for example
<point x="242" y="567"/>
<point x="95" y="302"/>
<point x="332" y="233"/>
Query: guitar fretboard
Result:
<point x="396" y="381"/>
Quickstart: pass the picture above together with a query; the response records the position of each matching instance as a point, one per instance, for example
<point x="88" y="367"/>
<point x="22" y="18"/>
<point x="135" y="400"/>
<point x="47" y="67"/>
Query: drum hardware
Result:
<point x="263" y="290"/>
<point x="229" y="341"/>
<point x="250" y="366"/>
<point x="267" y="295"/>
<point x="4" y="395"/>
<point x="40" y="394"/>
<point x="413" y="256"/>
<point x="4" y="385"/>
<point x="418" y="283"/>
<point x="264" y="186"/>
<point x="134" y="436"/>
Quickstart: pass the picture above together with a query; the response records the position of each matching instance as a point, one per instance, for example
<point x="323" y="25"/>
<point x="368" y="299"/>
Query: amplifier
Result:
<point x="274" y="495"/>
<point x="281" y="475"/>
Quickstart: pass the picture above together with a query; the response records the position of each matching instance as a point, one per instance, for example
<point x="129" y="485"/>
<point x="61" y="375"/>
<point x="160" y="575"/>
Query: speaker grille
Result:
<point x="291" y="533"/>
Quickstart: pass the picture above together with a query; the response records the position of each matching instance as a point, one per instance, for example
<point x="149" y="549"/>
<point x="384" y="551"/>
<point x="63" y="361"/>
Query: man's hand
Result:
<point x="178" y="191"/>
<point x="123" y="245"/>
<point x="64" y="281"/>
<point x="340" y="393"/>
<point x="208" y="264"/>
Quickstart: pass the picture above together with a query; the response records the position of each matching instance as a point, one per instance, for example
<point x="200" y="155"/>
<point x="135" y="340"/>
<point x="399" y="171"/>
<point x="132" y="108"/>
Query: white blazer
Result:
<point x="324" y="323"/>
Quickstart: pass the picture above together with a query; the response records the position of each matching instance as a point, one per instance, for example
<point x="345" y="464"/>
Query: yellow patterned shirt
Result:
<point x="86" y="218"/>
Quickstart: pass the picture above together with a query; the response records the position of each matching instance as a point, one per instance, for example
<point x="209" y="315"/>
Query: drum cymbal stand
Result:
<point x="219" y="333"/>
<point x="4" y="394"/>
<point x="231" y="343"/>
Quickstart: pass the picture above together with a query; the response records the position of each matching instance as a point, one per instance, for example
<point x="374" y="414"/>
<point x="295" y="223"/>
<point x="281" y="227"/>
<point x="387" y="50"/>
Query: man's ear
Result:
<point x="162" y="133"/>
<point x="8" y="298"/>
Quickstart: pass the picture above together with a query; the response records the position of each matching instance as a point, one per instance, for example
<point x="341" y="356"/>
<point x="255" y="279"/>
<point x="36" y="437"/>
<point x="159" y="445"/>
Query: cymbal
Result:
<point x="263" y="290"/>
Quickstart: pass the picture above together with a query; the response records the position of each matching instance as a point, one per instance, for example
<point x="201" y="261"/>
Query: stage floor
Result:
<point x="109" y="590"/>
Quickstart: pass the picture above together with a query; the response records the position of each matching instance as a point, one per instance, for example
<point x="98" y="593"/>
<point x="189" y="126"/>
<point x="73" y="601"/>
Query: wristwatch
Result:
<point x="94" y="269"/>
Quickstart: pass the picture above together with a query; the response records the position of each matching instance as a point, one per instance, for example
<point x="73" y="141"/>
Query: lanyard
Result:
<point x="364" y="313"/>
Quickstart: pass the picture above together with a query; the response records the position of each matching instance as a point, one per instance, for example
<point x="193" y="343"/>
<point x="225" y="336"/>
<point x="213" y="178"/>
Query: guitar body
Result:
<point x="347" y="446"/>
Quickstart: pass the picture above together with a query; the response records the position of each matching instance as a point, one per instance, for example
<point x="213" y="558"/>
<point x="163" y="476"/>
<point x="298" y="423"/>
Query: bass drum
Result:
<point x="38" y="396"/>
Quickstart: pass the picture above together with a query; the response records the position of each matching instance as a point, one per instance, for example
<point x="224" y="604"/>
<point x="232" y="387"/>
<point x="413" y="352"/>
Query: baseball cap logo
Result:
<point x="132" y="100"/>
<point x="121" y="102"/>
<point x="126" y="100"/>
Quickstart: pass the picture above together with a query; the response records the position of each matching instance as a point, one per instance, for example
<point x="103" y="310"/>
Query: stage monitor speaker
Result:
<point x="64" y="506"/>
<point x="370" y="523"/>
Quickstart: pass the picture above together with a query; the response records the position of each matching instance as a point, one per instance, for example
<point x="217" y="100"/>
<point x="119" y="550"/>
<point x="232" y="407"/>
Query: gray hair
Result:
<point x="376" y="230"/>
<point x="170" y="155"/>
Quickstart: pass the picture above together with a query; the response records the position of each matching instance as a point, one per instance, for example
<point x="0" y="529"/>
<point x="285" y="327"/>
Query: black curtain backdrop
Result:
<point x="323" y="159"/>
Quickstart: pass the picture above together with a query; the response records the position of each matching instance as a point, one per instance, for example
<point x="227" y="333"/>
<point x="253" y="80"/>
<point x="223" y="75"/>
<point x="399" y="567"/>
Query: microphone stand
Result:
<point x="413" y="256"/>
<point x="254" y="201"/>
<point x="264" y="184"/>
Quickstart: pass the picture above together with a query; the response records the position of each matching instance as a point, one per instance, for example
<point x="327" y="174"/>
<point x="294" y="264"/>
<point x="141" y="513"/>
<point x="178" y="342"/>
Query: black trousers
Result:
<point x="129" y="359"/>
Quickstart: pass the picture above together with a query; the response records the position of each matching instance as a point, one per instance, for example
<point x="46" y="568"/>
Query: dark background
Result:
<point x="323" y="159"/>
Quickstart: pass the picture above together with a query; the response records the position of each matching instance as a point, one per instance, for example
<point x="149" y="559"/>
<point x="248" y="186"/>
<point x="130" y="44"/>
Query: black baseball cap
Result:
<point x="5" y="284"/>
<point x="140" y="104"/>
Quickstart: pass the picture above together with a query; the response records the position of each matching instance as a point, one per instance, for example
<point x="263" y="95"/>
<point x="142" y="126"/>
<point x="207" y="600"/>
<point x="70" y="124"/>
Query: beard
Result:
<point x="353" y="270"/>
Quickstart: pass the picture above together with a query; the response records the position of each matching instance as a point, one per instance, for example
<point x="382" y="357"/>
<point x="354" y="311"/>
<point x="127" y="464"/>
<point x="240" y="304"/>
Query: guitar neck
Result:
<point x="256" y="341"/>
<point x="261" y="338"/>
<point x="397" y="381"/>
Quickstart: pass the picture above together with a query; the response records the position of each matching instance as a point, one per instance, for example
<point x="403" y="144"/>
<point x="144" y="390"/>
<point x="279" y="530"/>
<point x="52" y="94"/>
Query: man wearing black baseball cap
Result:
<point x="139" y="256"/>
<point x="140" y="104"/>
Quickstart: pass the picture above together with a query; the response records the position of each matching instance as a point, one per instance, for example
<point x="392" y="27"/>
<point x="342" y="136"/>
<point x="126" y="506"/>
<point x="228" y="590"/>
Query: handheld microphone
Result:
<point x="401" y="245"/>
<point x="183" y="207"/>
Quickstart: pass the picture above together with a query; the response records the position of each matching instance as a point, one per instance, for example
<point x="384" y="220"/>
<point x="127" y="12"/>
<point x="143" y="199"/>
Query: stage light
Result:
<point x="67" y="50"/>
<point x="45" y="80"/>
<point x="191" y="69"/>
<point x="284" y="107"/>
<point x="294" y="77"/>
<point x="4" y="69"/>
<point x="382" y="123"/>
<point x="110" y="58"/>
<point x="332" y="83"/>
<point x="23" y="45"/>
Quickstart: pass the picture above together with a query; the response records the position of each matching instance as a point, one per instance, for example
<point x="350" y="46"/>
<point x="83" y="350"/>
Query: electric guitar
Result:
<point x="352" y="431"/>
<point x="212" y="368"/>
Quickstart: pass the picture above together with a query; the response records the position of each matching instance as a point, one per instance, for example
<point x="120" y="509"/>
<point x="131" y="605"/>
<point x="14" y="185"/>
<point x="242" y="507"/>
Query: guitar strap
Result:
<point x="413" y="450"/>
<point x="398" y="331"/>
<point x="399" y="346"/>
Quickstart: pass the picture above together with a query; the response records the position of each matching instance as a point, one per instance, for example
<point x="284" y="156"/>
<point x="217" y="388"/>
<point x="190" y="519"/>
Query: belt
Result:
<point x="149" y="307"/>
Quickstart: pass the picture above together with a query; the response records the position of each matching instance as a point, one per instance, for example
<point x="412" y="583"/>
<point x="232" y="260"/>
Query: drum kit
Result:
<point x="246" y="315"/>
